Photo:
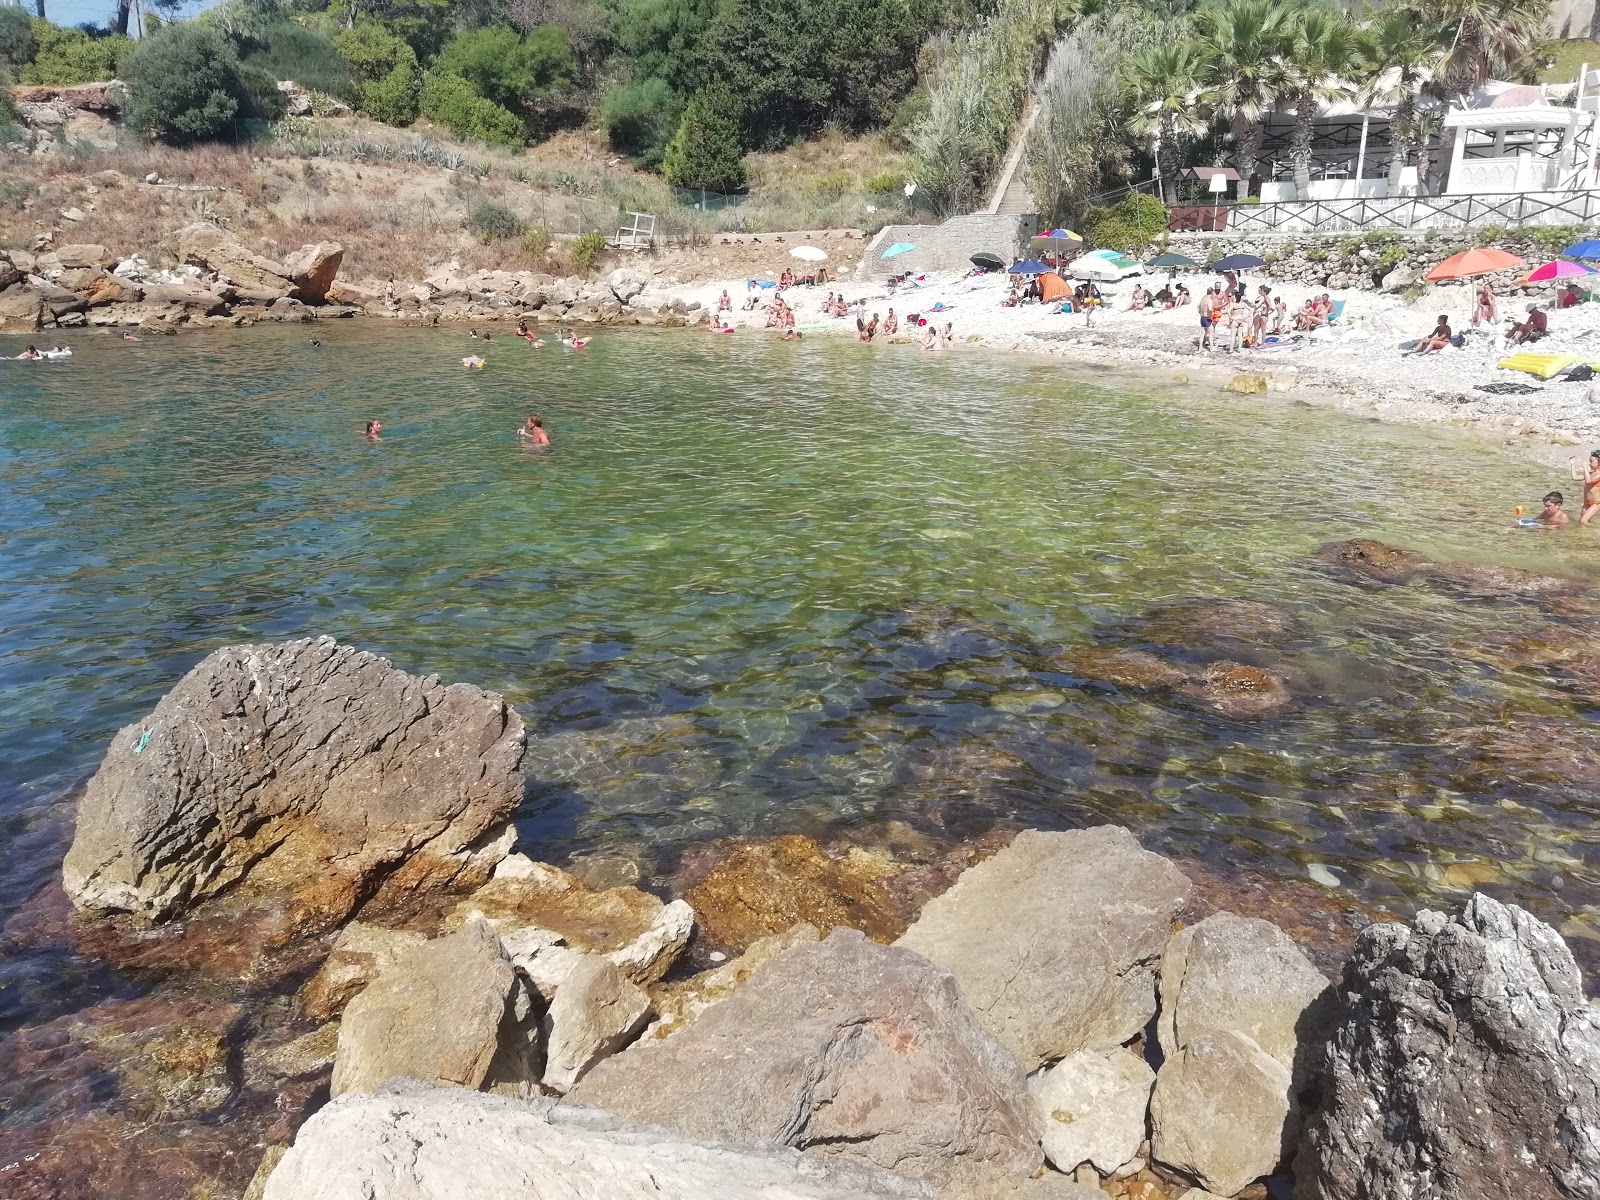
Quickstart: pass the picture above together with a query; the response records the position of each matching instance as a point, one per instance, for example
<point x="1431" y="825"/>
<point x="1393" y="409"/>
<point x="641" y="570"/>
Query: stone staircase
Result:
<point x="1011" y="196"/>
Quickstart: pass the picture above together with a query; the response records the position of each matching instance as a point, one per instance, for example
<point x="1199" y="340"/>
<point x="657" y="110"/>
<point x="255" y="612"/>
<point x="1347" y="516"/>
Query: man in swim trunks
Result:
<point x="533" y="429"/>
<point x="1531" y="330"/>
<point x="1208" y="316"/>
<point x="1590" y="478"/>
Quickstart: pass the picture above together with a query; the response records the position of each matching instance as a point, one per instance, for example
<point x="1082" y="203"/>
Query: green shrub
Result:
<point x="1391" y="258"/>
<point x="1490" y="234"/>
<point x="1316" y="254"/>
<point x="392" y="99"/>
<point x="506" y="68"/>
<point x="8" y="111"/>
<point x="17" y="43"/>
<point x="1552" y="239"/>
<point x="641" y="118"/>
<point x="493" y="221"/>
<point x="67" y="56"/>
<point x="882" y="185"/>
<point x="706" y="152"/>
<point x="385" y="69"/>
<point x="186" y="85"/>
<point x="536" y="241"/>
<point x="1130" y="225"/>
<point x="586" y="249"/>
<point x="290" y="51"/>
<point x="451" y="100"/>
<point x="832" y="185"/>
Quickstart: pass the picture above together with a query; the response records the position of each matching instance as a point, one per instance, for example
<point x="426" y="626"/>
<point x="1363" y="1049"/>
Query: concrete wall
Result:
<point x="1574" y="19"/>
<point x="949" y="246"/>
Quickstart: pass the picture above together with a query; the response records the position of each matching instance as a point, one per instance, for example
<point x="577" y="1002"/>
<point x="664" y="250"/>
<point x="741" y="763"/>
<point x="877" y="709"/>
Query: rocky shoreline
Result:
<point x="393" y="1001"/>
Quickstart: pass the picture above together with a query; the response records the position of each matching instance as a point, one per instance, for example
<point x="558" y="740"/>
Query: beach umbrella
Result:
<point x="1240" y="262"/>
<point x="1031" y="267"/>
<point x="1173" y="259"/>
<point x="809" y="253"/>
<point x="899" y="248"/>
<point x="1560" y="269"/>
<point x="991" y="262"/>
<point x="1482" y="261"/>
<point x="1065" y="233"/>
<point x="1589" y="249"/>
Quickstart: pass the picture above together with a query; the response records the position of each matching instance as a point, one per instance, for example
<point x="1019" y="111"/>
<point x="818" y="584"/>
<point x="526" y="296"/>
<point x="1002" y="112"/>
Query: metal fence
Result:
<point x="1512" y="210"/>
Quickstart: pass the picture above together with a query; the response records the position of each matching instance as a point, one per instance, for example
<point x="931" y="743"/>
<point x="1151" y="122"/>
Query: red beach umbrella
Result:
<point x="1482" y="261"/>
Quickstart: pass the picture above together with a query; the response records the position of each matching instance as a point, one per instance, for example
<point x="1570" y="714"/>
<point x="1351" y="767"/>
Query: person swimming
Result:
<point x="1552" y="516"/>
<point x="533" y="429"/>
<point x="473" y="361"/>
<point x="31" y="353"/>
<point x="374" y="428"/>
<point x="315" y="344"/>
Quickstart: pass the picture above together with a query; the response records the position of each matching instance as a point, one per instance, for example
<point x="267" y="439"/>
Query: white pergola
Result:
<point x="1530" y="148"/>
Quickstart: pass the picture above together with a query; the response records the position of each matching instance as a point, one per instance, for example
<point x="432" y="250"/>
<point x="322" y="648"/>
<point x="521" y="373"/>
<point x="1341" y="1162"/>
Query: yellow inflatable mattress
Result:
<point x="1541" y="366"/>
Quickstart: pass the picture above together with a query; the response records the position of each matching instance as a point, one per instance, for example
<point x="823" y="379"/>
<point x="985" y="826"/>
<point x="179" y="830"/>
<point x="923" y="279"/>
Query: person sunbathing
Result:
<point x="724" y="303"/>
<point x="1531" y="330"/>
<point x="1182" y="297"/>
<point x="1140" y="298"/>
<point x="891" y="324"/>
<point x="1483" y="309"/>
<point x="1437" y="340"/>
<point x="1307" y="318"/>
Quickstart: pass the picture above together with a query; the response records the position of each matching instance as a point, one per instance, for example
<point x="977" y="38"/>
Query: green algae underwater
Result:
<point x="759" y="587"/>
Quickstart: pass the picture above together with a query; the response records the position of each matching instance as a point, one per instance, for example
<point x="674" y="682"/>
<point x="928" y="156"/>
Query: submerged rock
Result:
<point x="1496" y="582"/>
<point x="303" y="774"/>
<point x="1465" y="1063"/>
<point x="864" y="1052"/>
<point x="1372" y="559"/>
<point x="764" y="887"/>
<point x="1056" y="940"/>
<point x="1125" y="667"/>
<point x="1237" y="690"/>
<point x="1248" y="622"/>
<point x="426" y="1144"/>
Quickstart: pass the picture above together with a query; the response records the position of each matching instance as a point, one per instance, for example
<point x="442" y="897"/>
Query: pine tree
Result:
<point x="705" y="152"/>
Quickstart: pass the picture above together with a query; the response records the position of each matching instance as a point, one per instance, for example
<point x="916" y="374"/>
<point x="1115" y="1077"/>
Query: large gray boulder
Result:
<point x="414" y="1143"/>
<point x="1056" y="940"/>
<point x="309" y="769"/>
<point x="1465" y="1064"/>
<point x="1219" y="1111"/>
<point x="862" y="1051"/>
<point x="441" y="1013"/>
<point x="596" y="1011"/>
<point x="1241" y="974"/>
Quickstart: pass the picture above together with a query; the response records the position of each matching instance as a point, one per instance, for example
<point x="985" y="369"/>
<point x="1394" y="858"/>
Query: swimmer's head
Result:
<point x="1594" y="456"/>
<point x="373" y="427"/>
<point x="1553" y="501"/>
<point x="536" y="421"/>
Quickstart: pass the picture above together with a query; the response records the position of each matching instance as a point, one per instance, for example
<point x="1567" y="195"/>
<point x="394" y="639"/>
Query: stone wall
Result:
<point x="950" y="245"/>
<point x="1374" y="261"/>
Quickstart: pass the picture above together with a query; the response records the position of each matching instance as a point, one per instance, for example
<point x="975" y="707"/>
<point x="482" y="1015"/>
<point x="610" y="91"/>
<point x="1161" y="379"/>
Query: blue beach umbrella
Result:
<point x="1031" y="267"/>
<point x="899" y="248"/>
<point x="1589" y="249"/>
<point x="1239" y="262"/>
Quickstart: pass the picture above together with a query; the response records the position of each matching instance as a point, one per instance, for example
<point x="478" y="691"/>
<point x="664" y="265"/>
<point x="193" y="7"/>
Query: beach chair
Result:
<point x="1338" y="311"/>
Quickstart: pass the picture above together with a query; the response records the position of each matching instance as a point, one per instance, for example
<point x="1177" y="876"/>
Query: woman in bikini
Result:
<point x="1590" y="478"/>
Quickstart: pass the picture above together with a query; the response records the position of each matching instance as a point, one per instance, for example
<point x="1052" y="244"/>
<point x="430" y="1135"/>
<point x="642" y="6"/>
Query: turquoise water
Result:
<point x="760" y="587"/>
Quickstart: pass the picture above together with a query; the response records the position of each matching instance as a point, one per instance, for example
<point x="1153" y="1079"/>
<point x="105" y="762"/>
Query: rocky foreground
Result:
<point x="220" y="283"/>
<point x="1043" y="1028"/>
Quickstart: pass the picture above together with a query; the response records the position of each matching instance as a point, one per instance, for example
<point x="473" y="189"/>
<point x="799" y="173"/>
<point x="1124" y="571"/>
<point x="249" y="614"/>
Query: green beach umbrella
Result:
<point x="1173" y="259"/>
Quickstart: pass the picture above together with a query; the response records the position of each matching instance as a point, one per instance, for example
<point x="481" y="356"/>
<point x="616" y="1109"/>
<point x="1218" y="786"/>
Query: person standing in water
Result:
<point x="374" y="428"/>
<point x="533" y="429"/>
<point x="1589" y="476"/>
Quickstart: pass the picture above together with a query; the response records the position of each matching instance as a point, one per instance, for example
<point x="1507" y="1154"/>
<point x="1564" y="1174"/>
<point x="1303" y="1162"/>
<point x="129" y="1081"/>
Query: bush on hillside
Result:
<point x="507" y="68"/>
<point x="705" y="152"/>
<point x="641" y="118"/>
<point x="186" y="85"/>
<point x="8" y="111"/>
<point x="388" y="82"/>
<point x="68" y="56"/>
<point x="536" y="241"/>
<point x="1130" y="225"/>
<point x="586" y="250"/>
<point x="289" y="51"/>
<point x="17" y="43"/>
<point x="452" y="101"/>
<point x="885" y="184"/>
<point x="493" y="221"/>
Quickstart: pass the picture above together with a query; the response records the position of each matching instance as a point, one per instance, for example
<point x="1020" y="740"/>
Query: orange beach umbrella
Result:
<point x="1468" y="263"/>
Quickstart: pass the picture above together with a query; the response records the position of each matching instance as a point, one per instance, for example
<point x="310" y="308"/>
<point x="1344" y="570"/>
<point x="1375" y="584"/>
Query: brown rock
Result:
<point x="21" y="307"/>
<point x="80" y="279"/>
<point x="762" y="888"/>
<point x="1248" y="622"/>
<point x="677" y="1004"/>
<point x="215" y="249"/>
<point x="1237" y="690"/>
<point x="1500" y="582"/>
<point x="341" y="292"/>
<point x="1125" y="668"/>
<point x="296" y="778"/>
<point x="9" y="273"/>
<point x="359" y="955"/>
<point x="112" y="289"/>
<point x="313" y="268"/>
<point x="185" y="298"/>
<point x="1372" y="559"/>
<point x="84" y="256"/>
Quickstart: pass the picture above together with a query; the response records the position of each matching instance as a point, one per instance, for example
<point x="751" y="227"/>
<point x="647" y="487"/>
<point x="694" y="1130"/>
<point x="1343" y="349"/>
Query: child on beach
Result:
<point x="1552" y="516"/>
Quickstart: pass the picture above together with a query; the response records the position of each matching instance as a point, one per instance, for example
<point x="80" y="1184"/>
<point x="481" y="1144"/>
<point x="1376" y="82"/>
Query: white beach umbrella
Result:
<point x="809" y="253"/>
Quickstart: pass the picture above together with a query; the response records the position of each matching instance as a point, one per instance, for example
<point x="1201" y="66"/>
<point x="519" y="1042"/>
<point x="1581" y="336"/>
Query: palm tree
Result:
<point x="1166" y="81"/>
<point x="1245" y="42"/>
<point x="1323" y="52"/>
<point x="1485" y="38"/>
<point x="1402" y="57"/>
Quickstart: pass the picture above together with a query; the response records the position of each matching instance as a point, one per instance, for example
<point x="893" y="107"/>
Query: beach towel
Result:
<point x="1506" y="387"/>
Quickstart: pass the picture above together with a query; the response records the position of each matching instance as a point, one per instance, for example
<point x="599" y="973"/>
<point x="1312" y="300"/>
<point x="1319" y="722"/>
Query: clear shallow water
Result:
<point x="761" y="587"/>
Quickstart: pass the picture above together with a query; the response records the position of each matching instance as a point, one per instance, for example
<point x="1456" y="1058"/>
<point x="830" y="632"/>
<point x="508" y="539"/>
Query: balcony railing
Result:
<point x="1513" y="210"/>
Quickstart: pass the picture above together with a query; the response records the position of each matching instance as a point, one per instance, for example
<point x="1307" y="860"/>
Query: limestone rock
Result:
<point x="1056" y="940"/>
<point x="677" y="1004"/>
<point x="440" y="1013"/>
<point x="595" y="1013"/>
<point x="862" y="1051"/>
<point x="308" y="769"/>
<point x="1238" y="690"/>
<point x="195" y="298"/>
<point x="1241" y="974"/>
<point x="1398" y="279"/>
<point x="626" y="283"/>
<point x="1248" y="383"/>
<point x="86" y="255"/>
<point x="762" y="888"/>
<point x="1465" y="1063"/>
<point x="112" y="289"/>
<point x="641" y="935"/>
<point x="1500" y="582"/>
<point x="1125" y="667"/>
<point x="255" y="277"/>
<point x="1091" y="1106"/>
<point x="341" y="292"/>
<point x="1219" y="1110"/>
<point x="21" y="307"/>
<point x="313" y="269"/>
<point x="359" y="955"/>
<point x="431" y="1144"/>
<point x="9" y="271"/>
<point x="1372" y="559"/>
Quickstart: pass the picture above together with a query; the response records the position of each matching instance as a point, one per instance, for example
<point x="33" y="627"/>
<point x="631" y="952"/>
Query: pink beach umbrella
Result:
<point x="1559" y="269"/>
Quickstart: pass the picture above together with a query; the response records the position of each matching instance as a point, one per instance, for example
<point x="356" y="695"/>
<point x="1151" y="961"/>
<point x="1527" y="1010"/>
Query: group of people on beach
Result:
<point x="1485" y="312"/>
